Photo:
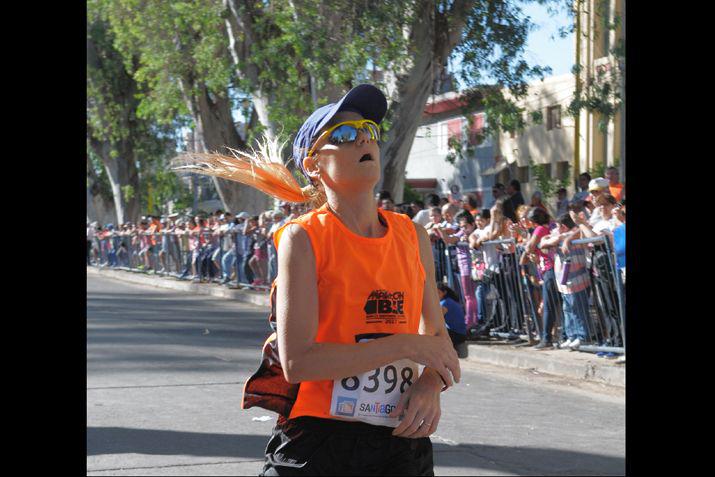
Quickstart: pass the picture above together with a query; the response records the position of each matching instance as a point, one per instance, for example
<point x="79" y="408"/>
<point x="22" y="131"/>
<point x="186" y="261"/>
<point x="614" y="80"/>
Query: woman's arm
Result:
<point x="532" y="242"/>
<point x="474" y="241"/>
<point x="552" y="240"/>
<point x="446" y="237"/>
<point x="584" y="227"/>
<point x="302" y="358"/>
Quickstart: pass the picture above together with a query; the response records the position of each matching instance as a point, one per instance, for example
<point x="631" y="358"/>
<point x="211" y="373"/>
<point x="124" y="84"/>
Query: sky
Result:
<point x="558" y="53"/>
<point x="541" y="48"/>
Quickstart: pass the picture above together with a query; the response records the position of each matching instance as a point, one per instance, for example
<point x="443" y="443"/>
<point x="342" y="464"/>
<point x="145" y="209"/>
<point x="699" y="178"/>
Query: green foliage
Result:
<point x="128" y="192"/>
<point x="165" y="186"/>
<point x="335" y="43"/>
<point x="545" y="183"/>
<point x="598" y="170"/>
<point x="492" y="46"/>
<point x="172" y="48"/>
<point x="410" y="195"/>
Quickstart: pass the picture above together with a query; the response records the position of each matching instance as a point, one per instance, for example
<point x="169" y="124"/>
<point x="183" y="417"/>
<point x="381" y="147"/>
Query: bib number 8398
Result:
<point x="389" y="376"/>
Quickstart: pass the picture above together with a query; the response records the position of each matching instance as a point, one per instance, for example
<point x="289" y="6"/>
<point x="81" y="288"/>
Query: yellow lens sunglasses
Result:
<point x="347" y="131"/>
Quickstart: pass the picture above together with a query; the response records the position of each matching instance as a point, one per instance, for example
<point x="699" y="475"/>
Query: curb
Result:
<point x="583" y="366"/>
<point x="246" y="296"/>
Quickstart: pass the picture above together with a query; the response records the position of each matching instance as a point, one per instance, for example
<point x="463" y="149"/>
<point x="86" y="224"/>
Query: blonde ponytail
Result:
<point x="262" y="169"/>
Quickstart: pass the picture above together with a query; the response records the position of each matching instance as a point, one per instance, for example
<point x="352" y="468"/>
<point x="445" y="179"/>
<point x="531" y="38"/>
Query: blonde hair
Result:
<point x="450" y="209"/>
<point x="522" y="210"/>
<point x="262" y="169"/>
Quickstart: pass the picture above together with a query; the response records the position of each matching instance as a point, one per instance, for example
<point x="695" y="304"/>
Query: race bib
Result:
<point x="372" y="396"/>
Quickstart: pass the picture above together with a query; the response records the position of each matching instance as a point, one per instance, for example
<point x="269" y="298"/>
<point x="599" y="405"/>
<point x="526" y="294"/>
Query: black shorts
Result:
<point x="314" y="446"/>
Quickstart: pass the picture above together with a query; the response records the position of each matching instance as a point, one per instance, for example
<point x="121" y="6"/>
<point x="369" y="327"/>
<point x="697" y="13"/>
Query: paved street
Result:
<point x="164" y="379"/>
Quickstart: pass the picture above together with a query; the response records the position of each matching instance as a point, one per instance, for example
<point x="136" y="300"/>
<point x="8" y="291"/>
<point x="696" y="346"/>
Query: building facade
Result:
<point x="564" y="145"/>
<point x="600" y="49"/>
<point x="489" y="160"/>
<point x="428" y="168"/>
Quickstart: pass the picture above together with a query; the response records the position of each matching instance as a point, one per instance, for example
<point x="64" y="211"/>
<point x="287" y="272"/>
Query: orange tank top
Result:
<point x="367" y="288"/>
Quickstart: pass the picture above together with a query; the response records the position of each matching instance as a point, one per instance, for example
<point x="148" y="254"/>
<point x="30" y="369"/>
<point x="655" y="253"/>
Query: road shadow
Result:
<point x="121" y="440"/>
<point x="509" y="459"/>
<point x="527" y="460"/>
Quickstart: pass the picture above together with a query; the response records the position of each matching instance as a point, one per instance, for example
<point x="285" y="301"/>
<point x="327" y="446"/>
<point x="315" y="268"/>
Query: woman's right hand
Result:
<point x="435" y="352"/>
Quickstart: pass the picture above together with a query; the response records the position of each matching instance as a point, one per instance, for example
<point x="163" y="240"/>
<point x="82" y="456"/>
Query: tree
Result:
<point x="112" y="126"/>
<point x="286" y="57"/>
<point x="183" y="63"/>
<point x="331" y="46"/>
<point x="100" y="203"/>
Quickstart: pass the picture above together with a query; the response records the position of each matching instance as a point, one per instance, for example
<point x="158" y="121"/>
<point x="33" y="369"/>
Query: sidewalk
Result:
<point x="213" y="289"/>
<point x="564" y="363"/>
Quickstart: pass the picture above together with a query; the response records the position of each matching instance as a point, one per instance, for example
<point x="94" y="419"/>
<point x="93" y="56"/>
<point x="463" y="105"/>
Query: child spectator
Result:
<point x="453" y="314"/>
<point x="545" y="268"/>
<point x="464" y="262"/>
<point x="572" y="279"/>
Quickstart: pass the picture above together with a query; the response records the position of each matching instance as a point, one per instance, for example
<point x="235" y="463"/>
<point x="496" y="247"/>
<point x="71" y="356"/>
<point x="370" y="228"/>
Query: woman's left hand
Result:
<point x="420" y="404"/>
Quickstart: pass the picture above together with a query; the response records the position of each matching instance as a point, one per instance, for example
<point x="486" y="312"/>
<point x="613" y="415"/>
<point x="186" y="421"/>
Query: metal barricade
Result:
<point x="440" y="261"/>
<point x="167" y="253"/>
<point x="510" y="308"/>
<point x="606" y="316"/>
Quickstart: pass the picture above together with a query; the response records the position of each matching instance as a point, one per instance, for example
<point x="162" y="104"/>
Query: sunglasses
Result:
<point x="347" y="131"/>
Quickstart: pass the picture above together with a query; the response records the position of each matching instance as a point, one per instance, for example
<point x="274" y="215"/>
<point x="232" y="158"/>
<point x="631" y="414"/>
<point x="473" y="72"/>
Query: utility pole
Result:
<point x="577" y="119"/>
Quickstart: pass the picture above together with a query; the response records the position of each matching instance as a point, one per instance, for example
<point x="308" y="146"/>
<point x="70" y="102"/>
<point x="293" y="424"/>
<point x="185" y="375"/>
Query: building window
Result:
<point x="553" y="118"/>
<point x="503" y="177"/>
<point x="455" y="129"/>
<point x="442" y="136"/>
<point x="522" y="174"/>
<point x="475" y="130"/>
<point x="562" y="170"/>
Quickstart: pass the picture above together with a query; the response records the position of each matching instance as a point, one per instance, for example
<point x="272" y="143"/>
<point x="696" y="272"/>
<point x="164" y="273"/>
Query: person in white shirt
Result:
<point x="607" y="221"/>
<point x="422" y="214"/>
<point x="449" y="211"/>
<point x="596" y="187"/>
<point x="228" y="246"/>
<point x="497" y="228"/>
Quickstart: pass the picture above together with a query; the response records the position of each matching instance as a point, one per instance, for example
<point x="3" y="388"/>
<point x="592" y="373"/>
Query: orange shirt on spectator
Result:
<point x="616" y="191"/>
<point x="154" y="228"/>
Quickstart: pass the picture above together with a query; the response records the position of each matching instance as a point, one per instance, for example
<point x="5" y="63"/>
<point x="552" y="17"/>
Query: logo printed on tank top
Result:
<point x="386" y="307"/>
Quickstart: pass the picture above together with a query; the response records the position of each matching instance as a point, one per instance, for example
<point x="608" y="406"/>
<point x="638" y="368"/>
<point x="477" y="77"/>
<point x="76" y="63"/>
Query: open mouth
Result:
<point x="366" y="157"/>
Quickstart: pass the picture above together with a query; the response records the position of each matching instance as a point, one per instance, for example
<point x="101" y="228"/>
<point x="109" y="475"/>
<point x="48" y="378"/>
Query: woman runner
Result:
<point x="356" y="307"/>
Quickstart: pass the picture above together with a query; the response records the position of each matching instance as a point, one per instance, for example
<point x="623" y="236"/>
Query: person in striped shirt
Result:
<point x="572" y="280"/>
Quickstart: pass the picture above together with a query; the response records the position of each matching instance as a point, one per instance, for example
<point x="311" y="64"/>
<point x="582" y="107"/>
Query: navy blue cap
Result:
<point x="364" y="99"/>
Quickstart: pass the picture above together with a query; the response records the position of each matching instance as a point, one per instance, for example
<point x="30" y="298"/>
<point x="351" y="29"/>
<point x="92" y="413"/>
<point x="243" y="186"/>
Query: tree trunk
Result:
<point x="99" y="208"/>
<point x="121" y="169"/>
<point x="241" y="36"/>
<point x="432" y="40"/>
<point x="217" y="131"/>
<point x="129" y="176"/>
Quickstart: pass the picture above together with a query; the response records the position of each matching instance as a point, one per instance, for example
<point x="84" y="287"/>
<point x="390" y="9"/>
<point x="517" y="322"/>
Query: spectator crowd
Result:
<point x="218" y="247"/>
<point x="563" y="282"/>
